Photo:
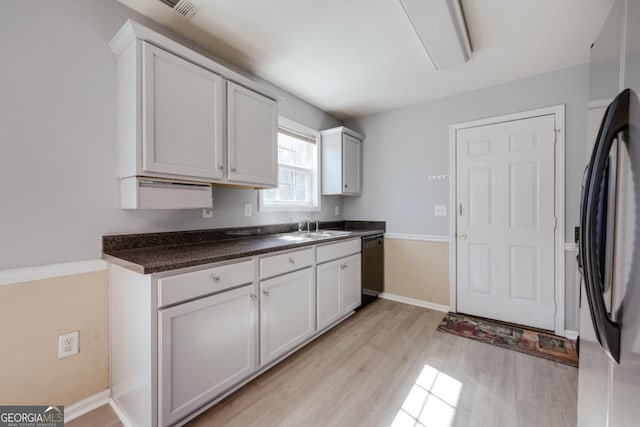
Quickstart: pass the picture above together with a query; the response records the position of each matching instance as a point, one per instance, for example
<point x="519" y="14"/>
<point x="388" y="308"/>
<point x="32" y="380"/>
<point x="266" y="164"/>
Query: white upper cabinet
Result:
<point x="172" y="103"/>
<point x="341" y="162"/>
<point x="351" y="164"/>
<point x="182" y="116"/>
<point x="252" y="123"/>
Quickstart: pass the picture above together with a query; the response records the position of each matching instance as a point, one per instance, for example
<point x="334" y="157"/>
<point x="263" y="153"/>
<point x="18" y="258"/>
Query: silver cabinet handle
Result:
<point x="233" y="169"/>
<point x="215" y="279"/>
<point x="253" y="297"/>
<point x="343" y="266"/>
<point x="265" y="293"/>
<point x="292" y="261"/>
<point x="220" y="167"/>
<point x="346" y="186"/>
<point x="462" y="236"/>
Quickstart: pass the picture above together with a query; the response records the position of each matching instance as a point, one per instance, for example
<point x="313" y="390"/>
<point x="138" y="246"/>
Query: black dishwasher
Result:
<point x="372" y="267"/>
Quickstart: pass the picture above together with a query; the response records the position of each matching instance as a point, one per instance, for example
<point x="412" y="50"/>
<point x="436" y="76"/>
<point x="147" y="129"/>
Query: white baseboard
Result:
<point x="413" y="301"/>
<point x="572" y="335"/>
<point x="123" y="419"/>
<point x="87" y="405"/>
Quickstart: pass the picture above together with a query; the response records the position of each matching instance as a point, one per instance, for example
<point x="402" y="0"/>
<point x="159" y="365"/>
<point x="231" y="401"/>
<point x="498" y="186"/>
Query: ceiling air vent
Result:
<point x="185" y="8"/>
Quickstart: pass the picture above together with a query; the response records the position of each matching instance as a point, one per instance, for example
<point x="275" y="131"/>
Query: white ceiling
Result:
<point x="356" y="57"/>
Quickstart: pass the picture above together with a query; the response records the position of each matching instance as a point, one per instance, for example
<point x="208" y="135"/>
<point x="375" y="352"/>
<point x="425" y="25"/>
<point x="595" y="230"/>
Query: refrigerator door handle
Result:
<point x="615" y="121"/>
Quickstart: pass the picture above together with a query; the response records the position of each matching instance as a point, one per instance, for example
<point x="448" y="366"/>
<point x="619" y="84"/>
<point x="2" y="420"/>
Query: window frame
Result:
<point x="316" y="182"/>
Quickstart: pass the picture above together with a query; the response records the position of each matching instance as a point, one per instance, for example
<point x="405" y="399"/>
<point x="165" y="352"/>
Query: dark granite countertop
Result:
<point x="157" y="252"/>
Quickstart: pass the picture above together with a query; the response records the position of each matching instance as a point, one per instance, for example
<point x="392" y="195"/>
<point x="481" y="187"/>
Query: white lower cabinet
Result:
<point x="350" y="283"/>
<point x="287" y="313"/>
<point x="328" y="277"/>
<point x="205" y="347"/>
<point x="181" y="341"/>
<point x="338" y="289"/>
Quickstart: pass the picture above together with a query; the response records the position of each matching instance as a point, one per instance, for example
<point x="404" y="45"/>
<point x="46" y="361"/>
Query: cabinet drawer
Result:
<point x="338" y="250"/>
<point x="283" y="263"/>
<point x="182" y="287"/>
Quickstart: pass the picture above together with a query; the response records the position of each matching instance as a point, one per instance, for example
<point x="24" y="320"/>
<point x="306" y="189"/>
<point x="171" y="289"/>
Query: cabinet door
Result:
<point x="252" y="123"/>
<point x="328" y="293"/>
<point x="350" y="283"/>
<point x="182" y="110"/>
<point x="204" y="347"/>
<point x="287" y="313"/>
<point x="351" y="165"/>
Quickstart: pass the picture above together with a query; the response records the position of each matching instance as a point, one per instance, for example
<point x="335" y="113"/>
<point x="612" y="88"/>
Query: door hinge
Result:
<point x="555" y="135"/>
<point x="555" y="222"/>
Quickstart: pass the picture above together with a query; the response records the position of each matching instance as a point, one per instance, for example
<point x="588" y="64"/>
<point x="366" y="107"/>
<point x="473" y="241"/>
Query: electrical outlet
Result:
<point x="336" y="210"/>
<point x="248" y="210"/>
<point x="68" y="344"/>
<point x="207" y="213"/>
<point x="440" y="210"/>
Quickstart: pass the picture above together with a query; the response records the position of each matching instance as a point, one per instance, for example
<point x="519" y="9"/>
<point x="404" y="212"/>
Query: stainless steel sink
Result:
<point x="295" y="237"/>
<point x="304" y="236"/>
<point x="328" y="233"/>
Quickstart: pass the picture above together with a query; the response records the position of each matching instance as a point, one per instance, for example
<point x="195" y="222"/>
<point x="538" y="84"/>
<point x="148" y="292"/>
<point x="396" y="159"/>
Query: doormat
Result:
<point x="512" y="337"/>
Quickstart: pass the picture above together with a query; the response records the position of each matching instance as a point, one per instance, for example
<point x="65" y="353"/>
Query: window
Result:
<point x="298" y="187"/>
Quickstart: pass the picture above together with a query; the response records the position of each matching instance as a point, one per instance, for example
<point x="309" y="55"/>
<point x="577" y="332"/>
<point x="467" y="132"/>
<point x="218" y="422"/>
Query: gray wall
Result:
<point x="405" y="146"/>
<point x="58" y="188"/>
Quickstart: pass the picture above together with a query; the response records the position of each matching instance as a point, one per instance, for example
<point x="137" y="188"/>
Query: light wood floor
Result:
<point x="388" y="363"/>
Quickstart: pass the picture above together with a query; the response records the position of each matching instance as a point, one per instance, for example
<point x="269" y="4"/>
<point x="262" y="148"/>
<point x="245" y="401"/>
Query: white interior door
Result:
<point x="505" y="221"/>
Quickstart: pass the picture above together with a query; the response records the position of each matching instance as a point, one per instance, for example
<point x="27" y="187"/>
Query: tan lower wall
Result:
<point x="32" y="315"/>
<point x="417" y="269"/>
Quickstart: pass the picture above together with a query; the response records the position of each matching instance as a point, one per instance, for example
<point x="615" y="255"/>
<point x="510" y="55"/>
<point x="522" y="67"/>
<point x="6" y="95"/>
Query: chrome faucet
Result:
<point x="308" y="222"/>
<point x="317" y="225"/>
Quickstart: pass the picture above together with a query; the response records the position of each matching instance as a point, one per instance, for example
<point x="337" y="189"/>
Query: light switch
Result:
<point x="440" y="210"/>
<point x="248" y="210"/>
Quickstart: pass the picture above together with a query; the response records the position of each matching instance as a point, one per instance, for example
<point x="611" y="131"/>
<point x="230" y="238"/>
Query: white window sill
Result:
<point x="288" y="208"/>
